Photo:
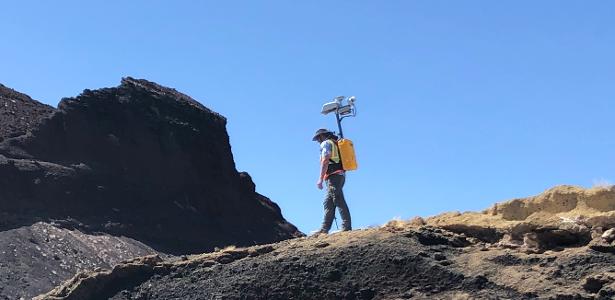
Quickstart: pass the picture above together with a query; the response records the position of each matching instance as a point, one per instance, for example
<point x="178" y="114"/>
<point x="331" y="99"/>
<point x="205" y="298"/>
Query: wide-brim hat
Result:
<point x="319" y="132"/>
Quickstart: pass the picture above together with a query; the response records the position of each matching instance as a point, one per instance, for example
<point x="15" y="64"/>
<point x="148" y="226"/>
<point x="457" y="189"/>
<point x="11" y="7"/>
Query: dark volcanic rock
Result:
<point x="548" y="258"/>
<point x="114" y="174"/>
<point x="362" y="264"/>
<point x="35" y="258"/>
<point x="19" y="114"/>
<point x="139" y="160"/>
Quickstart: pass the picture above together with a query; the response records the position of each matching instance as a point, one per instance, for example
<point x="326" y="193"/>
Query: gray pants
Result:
<point x="335" y="198"/>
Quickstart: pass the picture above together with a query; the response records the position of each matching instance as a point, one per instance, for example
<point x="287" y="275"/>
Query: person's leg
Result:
<point x="329" y="208"/>
<point x="340" y="202"/>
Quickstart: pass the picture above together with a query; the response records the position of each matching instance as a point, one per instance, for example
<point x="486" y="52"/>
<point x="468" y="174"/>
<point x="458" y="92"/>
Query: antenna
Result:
<point x="341" y="111"/>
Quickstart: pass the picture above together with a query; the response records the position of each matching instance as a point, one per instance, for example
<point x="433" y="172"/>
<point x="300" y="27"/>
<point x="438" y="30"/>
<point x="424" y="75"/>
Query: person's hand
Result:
<point x="319" y="184"/>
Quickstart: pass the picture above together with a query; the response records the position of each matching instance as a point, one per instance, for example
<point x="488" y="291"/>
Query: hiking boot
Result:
<point x="318" y="233"/>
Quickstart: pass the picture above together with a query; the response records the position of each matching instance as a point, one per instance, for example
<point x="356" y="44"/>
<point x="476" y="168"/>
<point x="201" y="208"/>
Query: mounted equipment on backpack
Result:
<point x="345" y="146"/>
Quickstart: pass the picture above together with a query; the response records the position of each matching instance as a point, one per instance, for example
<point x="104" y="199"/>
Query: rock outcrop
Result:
<point x="138" y="162"/>
<point x="363" y="264"/>
<point x="564" y="216"/>
<point x="381" y="263"/>
<point x="20" y="114"/>
<point x="400" y="260"/>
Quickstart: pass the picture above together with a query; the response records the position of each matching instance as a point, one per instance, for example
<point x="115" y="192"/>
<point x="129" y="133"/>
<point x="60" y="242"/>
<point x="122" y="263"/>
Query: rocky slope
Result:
<point x="120" y="172"/>
<point x="19" y="114"/>
<point x="35" y="258"/>
<point x="488" y="255"/>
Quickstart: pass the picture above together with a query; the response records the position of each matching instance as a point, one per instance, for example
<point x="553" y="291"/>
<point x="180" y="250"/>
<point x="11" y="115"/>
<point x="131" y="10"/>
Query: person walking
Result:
<point x="331" y="172"/>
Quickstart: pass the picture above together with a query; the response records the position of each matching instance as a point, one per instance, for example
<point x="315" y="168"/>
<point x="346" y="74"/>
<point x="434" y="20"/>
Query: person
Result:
<point x="331" y="172"/>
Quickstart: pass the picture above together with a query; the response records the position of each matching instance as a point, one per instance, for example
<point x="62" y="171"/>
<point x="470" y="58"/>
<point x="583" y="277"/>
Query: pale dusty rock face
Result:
<point x="609" y="235"/>
<point x="563" y="204"/>
<point x="530" y="240"/>
<point x="559" y="217"/>
<point x="597" y="232"/>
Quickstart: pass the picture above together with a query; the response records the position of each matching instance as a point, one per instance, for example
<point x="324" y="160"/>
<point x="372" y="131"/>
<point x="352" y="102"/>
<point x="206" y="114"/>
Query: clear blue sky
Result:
<point x="461" y="103"/>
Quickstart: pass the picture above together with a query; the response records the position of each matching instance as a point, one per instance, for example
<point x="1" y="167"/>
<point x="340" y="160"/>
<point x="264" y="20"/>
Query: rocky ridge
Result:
<point x="450" y="256"/>
<point x="138" y="160"/>
<point x="118" y="173"/>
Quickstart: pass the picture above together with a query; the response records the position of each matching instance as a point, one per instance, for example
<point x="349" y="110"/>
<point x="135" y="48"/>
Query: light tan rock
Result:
<point x="609" y="235"/>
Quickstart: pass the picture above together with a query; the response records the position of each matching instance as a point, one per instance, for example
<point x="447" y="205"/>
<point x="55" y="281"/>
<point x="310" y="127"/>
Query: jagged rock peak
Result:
<point x="132" y="90"/>
<point x="140" y="168"/>
<point x="152" y="87"/>
<point x="141" y="160"/>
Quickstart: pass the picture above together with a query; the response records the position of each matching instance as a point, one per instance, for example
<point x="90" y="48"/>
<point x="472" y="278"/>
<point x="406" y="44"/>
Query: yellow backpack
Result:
<point x="346" y="152"/>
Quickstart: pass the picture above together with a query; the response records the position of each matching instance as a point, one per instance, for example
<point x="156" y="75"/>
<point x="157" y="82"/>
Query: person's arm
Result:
<point x="324" y="165"/>
<point x="325" y="155"/>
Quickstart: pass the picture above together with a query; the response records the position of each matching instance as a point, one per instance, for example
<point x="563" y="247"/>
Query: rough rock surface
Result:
<point x="385" y="263"/>
<point x="35" y="258"/>
<point x="401" y="260"/>
<point x="139" y="165"/>
<point x="560" y="217"/>
<point x="19" y="114"/>
<point x="362" y="264"/>
<point x="139" y="160"/>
